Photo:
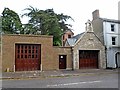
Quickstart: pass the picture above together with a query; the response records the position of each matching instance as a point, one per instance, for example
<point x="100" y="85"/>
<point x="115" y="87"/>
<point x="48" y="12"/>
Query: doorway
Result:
<point x="88" y="59"/>
<point x="117" y="59"/>
<point x="62" y="61"/>
<point x="27" y="57"/>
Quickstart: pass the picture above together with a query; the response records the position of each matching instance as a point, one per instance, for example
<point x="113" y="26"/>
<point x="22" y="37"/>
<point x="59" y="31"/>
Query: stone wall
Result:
<point x="89" y="41"/>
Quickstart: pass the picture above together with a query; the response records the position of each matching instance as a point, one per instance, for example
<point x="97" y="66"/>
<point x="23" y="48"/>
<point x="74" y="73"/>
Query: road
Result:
<point x="108" y="80"/>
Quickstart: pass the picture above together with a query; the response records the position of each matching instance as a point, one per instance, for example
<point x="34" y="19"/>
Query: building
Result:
<point x="108" y="31"/>
<point x="66" y="34"/>
<point x="0" y="54"/>
<point x="87" y="49"/>
<point x="119" y="10"/>
<point x="36" y="52"/>
<point x="33" y="52"/>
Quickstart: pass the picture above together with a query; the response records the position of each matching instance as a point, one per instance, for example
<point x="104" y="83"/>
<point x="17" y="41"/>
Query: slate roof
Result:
<point x="71" y="41"/>
<point x="110" y="20"/>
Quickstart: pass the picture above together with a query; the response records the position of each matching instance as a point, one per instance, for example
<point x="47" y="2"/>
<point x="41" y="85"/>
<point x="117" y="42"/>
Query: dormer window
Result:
<point x="112" y="27"/>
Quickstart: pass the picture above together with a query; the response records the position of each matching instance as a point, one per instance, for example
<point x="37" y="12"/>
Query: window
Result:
<point x="22" y="46"/>
<point x="29" y="51"/>
<point x="36" y="56"/>
<point x="18" y="46"/>
<point x="32" y="47"/>
<point x="36" y="51"/>
<point x="69" y="36"/>
<point x="21" y="56"/>
<point x="25" y="51"/>
<point x="29" y="47"/>
<point x="18" y="51"/>
<point x="32" y="56"/>
<point x="112" y="27"/>
<point x="33" y="51"/>
<point x="25" y="46"/>
<point x="25" y="56"/>
<point x="63" y="37"/>
<point x="18" y="56"/>
<point x="113" y="40"/>
<point x="21" y="51"/>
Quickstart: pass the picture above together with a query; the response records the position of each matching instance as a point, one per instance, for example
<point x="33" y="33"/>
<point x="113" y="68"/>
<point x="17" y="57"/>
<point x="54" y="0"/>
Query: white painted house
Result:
<point x="108" y="31"/>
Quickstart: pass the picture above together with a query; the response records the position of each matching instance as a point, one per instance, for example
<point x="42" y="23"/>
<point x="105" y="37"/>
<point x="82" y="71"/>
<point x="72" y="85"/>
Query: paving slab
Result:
<point x="55" y="73"/>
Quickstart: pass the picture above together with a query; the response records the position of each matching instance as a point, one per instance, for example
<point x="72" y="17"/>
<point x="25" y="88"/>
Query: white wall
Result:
<point x="111" y="49"/>
<point x="108" y="34"/>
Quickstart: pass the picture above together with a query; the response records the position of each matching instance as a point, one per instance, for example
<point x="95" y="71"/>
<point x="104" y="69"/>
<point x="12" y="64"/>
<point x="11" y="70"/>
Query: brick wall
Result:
<point x="65" y="36"/>
<point x="49" y="54"/>
<point x="64" y="51"/>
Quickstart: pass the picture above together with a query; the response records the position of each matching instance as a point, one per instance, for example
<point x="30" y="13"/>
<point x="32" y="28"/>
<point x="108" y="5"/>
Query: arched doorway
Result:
<point x="117" y="59"/>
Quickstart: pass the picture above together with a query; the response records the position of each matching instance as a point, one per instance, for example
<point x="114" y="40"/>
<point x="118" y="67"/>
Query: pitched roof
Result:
<point x="69" y="30"/>
<point x="71" y="41"/>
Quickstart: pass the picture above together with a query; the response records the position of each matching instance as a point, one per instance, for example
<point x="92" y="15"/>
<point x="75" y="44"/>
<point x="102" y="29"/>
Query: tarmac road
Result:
<point x="106" y="80"/>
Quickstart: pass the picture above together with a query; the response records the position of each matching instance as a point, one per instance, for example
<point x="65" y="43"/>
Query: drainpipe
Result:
<point x="72" y="58"/>
<point x="106" y="56"/>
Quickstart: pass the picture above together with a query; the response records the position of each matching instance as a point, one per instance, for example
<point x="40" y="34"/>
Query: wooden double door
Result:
<point x="88" y="58"/>
<point x="27" y="57"/>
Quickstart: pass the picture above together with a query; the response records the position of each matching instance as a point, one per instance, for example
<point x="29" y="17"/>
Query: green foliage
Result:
<point x="47" y="22"/>
<point x="10" y="22"/>
<point x="41" y="22"/>
<point x="0" y="24"/>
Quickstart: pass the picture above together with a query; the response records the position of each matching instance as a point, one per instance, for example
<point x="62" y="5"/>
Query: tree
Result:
<point x="0" y="25"/>
<point x="62" y="21"/>
<point x="46" y="22"/>
<point x="11" y="22"/>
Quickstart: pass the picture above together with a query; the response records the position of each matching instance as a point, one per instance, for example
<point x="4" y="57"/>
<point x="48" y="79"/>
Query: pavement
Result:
<point x="53" y="73"/>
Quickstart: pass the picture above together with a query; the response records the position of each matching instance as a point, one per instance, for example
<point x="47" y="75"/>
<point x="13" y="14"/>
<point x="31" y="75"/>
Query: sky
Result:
<point x="79" y="10"/>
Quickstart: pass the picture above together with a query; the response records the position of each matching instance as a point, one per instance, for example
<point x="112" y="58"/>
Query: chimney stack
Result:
<point x="95" y="14"/>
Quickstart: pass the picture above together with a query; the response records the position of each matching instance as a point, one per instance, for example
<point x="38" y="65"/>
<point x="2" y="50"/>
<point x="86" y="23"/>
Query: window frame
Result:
<point x="69" y="36"/>
<point x="112" y="27"/>
<point x="113" y="41"/>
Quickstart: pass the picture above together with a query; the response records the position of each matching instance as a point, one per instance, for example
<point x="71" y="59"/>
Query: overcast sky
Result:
<point x="79" y="10"/>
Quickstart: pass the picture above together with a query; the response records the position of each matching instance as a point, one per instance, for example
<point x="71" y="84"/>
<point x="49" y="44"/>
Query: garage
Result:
<point x="88" y="59"/>
<point x="27" y="57"/>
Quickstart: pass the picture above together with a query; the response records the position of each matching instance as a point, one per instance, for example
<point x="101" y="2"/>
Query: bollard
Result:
<point x="14" y="68"/>
<point x="41" y="66"/>
<point x="8" y="70"/>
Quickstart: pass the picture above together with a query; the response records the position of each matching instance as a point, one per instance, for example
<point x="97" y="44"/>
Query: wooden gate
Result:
<point x="62" y="62"/>
<point x="27" y="57"/>
<point x="88" y="59"/>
